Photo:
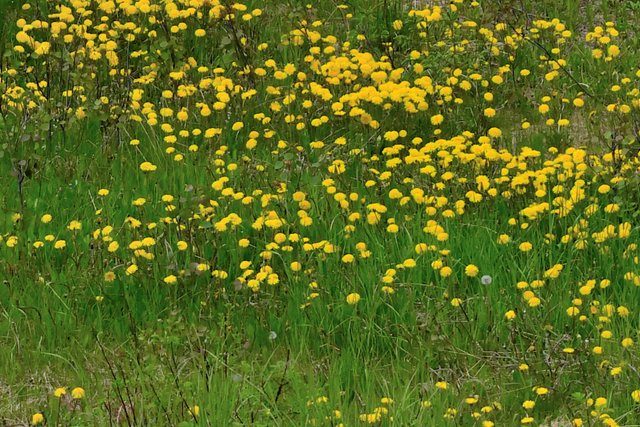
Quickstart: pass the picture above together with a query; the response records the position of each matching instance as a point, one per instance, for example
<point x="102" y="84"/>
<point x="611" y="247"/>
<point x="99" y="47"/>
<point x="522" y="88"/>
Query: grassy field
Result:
<point x="274" y="213"/>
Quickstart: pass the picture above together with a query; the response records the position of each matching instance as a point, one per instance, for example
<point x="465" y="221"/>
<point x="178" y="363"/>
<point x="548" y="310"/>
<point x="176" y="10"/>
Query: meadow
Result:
<point x="280" y="213"/>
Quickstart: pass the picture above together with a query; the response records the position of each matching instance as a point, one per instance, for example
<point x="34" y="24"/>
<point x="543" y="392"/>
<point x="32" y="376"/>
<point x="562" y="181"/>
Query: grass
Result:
<point x="328" y="244"/>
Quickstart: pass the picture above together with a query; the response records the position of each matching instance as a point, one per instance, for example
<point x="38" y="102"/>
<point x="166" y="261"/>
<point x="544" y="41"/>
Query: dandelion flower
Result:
<point x="147" y="167"/>
<point x="170" y="280"/>
<point x="78" y="393"/>
<point x="37" y="418"/>
<point x="471" y="270"/>
<point x="353" y="298"/>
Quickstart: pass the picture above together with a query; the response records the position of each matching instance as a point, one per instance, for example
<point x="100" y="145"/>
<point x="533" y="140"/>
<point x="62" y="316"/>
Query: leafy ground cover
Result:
<point x="278" y="213"/>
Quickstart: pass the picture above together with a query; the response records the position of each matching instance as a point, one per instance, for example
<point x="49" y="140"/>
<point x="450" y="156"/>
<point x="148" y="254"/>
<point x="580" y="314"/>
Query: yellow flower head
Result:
<point x="37" y="418"/>
<point x="353" y="298"/>
<point x="78" y="393"/>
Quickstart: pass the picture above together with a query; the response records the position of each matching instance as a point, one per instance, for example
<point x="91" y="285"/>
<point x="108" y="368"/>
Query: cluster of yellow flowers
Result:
<point x="77" y="394"/>
<point x="339" y="174"/>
